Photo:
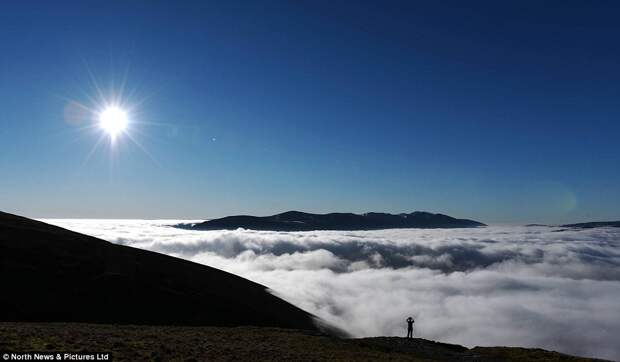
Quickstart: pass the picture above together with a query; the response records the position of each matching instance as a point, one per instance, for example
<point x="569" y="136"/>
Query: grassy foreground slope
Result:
<point x="165" y="343"/>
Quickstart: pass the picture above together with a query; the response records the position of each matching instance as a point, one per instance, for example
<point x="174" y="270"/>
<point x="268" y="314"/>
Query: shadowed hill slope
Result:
<point x="49" y="274"/>
<point x="302" y="221"/>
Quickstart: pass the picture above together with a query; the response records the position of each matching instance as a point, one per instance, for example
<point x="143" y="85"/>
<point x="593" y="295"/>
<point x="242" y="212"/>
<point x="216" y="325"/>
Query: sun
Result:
<point x="113" y="120"/>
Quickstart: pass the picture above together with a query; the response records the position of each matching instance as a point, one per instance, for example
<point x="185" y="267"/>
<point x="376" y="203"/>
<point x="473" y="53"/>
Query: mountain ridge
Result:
<point x="303" y="221"/>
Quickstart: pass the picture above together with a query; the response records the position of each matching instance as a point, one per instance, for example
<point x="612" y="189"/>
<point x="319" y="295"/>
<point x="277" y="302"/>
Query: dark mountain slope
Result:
<point x="51" y="274"/>
<point x="302" y="221"/>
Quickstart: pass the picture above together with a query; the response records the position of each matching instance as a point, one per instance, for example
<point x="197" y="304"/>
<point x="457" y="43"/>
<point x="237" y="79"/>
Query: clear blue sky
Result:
<point x="505" y="112"/>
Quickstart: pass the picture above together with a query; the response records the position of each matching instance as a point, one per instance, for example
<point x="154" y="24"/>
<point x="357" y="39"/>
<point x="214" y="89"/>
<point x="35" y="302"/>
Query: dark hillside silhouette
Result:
<point x="49" y="274"/>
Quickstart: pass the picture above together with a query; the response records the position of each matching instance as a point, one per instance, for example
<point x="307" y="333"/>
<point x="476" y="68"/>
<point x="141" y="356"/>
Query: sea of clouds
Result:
<point x="547" y="287"/>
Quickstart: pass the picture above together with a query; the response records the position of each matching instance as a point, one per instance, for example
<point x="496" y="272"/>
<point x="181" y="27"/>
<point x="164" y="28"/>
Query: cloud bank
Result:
<point x="516" y="286"/>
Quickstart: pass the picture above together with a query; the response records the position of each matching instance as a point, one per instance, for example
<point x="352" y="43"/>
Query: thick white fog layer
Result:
<point x="517" y="286"/>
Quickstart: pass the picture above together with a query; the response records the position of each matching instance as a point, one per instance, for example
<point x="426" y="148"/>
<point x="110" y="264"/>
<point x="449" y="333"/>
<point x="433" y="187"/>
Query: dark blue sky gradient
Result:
<point x="501" y="112"/>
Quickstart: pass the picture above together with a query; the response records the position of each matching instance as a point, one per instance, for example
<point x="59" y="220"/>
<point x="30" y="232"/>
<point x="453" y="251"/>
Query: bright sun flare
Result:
<point x="113" y="120"/>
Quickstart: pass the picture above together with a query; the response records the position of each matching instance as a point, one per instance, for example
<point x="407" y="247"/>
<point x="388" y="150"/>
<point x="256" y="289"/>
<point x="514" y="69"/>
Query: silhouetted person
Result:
<point x="410" y="322"/>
